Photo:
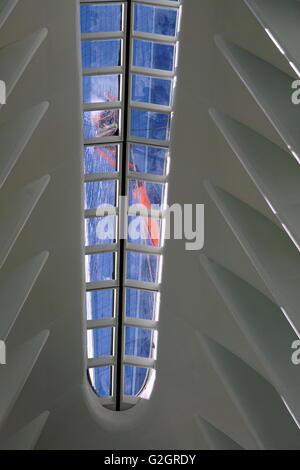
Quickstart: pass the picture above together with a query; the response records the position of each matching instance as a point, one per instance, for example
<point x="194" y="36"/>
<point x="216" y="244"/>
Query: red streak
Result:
<point x="141" y="196"/>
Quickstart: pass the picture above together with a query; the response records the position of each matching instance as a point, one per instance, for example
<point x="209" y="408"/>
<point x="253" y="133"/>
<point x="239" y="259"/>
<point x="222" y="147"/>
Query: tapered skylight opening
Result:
<point x="129" y="59"/>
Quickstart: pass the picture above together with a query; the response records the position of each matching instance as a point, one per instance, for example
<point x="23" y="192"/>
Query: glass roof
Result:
<point x="129" y="54"/>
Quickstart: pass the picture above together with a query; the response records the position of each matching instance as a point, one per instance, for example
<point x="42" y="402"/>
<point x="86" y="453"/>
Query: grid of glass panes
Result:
<point x="103" y="37"/>
<point x="153" y="63"/>
<point x="153" y="35"/>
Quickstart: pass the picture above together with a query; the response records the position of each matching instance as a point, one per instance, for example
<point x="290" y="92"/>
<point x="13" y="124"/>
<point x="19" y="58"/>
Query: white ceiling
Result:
<point x="186" y="383"/>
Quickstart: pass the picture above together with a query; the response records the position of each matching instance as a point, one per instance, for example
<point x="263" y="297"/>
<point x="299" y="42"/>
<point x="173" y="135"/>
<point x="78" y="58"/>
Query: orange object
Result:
<point x="106" y="157"/>
<point x="141" y="197"/>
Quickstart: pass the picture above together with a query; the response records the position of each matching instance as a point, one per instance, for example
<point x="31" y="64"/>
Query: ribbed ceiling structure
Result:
<point x="272" y="248"/>
<point x="17" y="284"/>
<point x="225" y="379"/>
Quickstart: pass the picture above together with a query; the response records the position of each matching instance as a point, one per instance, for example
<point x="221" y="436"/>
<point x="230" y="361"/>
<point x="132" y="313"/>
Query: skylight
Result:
<point x="129" y="59"/>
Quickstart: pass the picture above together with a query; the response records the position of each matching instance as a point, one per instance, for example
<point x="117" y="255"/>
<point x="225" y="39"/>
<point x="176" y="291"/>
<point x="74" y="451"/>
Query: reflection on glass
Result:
<point x="150" y="125"/>
<point x="100" y="230"/>
<point x="142" y="304"/>
<point x="147" y="159"/>
<point x="101" y="380"/>
<point x="134" y="379"/>
<point x="155" y="20"/>
<point x="152" y="90"/>
<point x="104" y="123"/>
<point x="153" y="55"/>
<point x="100" y="342"/>
<point x="100" y="193"/>
<point x="146" y="194"/>
<point x="101" y="88"/>
<point x="100" y="159"/>
<point x="143" y="267"/>
<point x="100" y="304"/>
<point x="100" y="18"/>
<point x="101" y="53"/>
<point x="100" y="267"/>
<point x="139" y="342"/>
<point x="145" y="231"/>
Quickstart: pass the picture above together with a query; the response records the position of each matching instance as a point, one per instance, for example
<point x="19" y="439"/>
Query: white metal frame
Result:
<point x="148" y="363"/>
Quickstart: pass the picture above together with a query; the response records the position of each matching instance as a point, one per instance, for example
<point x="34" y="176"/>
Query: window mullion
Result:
<point x="119" y="378"/>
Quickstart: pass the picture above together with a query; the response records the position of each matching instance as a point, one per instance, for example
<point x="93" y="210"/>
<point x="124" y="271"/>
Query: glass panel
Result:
<point x="101" y="159"/>
<point x="153" y="55"/>
<point x="145" y="231"/>
<point x="101" y="88"/>
<point x="139" y="342"/>
<point x="147" y="159"/>
<point x="155" y="20"/>
<point x="143" y="267"/>
<point x="100" y="18"/>
<point x="100" y="342"/>
<point x="150" y="125"/>
<point x="101" y="53"/>
<point x="100" y="230"/>
<point x="100" y="267"/>
<point x="104" y="123"/>
<point x="142" y="304"/>
<point x="148" y="195"/>
<point x="134" y="379"/>
<point x="100" y="304"/>
<point x="152" y="90"/>
<point x="101" y="380"/>
<point x="100" y="193"/>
